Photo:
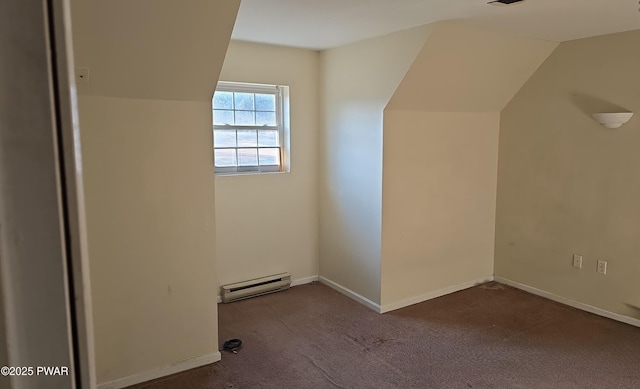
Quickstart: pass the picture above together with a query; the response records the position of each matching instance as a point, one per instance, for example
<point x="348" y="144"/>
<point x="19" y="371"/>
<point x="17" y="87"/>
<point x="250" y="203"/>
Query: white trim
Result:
<point x="161" y="372"/>
<point x="434" y="294"/>
<point x="281" y="93"/>
<point x="249" y="87"/>
<point x="302" y="281"/>
<point x="351" y="294"/>
<point x="572" y="303"/>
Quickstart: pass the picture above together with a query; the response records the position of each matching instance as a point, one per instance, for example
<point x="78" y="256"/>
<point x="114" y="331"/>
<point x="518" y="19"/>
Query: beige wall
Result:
<point x="357" y="82"/>
<point x="151" y="49"/>
<point x="440" y="159"/>
<point x="568" y="185"/>
<point x="463" y="68"/>
<point x="150" y="211"/>
<point x="268" y="223"/>
<point x="438" y="201"/>
<point x="145" y="122"/>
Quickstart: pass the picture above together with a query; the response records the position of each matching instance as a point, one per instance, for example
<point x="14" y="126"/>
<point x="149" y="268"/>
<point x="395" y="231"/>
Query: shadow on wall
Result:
<point x="636" y="310"/>
<point x="590" y="105"/>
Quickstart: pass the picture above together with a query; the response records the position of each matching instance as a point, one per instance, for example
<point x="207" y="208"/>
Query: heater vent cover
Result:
<point x="256" y="287"/>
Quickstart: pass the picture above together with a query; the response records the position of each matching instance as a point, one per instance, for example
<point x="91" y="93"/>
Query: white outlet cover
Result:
<point x="602" y="267"/>
<point x="577" y="261"/>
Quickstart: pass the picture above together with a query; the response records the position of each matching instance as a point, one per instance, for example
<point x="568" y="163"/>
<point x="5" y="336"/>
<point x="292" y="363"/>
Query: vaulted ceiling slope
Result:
<point x="465" y="69"/>
<point x="325" y="24"/>
<point x="128" y="46"/>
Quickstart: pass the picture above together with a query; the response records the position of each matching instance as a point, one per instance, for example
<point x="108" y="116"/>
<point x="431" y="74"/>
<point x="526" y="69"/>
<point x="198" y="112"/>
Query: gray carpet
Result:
<point x="489" y="336"/>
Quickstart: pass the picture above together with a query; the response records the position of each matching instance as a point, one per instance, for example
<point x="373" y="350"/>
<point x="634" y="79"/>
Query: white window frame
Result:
<point x="282" y="126"/>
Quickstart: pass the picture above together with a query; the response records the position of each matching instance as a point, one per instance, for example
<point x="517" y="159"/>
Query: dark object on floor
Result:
<point x="505" y="1"/>
<point x="232" y="345"/>
<point x="490" y="336"/>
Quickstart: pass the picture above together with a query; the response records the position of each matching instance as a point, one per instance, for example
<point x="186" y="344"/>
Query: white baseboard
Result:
<point x="350" y="293"/>
<point x="572" y="303"/>
<point x="306" y="280"/>
<point x="161" y="372"/>
<point x="434" y="294"/>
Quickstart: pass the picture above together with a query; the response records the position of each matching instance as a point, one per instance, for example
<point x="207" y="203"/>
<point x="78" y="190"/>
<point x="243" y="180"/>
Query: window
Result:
<point x="250" y="128"/>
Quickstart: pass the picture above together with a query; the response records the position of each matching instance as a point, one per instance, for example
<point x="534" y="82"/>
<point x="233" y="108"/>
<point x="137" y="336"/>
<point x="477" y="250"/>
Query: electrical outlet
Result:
<point x="577" y="261"/>
<point x="602" y="267"/>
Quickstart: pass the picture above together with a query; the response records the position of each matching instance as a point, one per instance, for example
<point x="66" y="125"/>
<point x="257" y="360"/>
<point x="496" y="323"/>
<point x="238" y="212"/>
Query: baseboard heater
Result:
<point x="252" y="288"/>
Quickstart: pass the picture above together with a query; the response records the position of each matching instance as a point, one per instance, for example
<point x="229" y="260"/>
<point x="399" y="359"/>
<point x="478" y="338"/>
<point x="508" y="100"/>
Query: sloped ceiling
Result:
<point x="465" y="69"/>
<point x="330" y="23"/>
<point x="129" y="45"/>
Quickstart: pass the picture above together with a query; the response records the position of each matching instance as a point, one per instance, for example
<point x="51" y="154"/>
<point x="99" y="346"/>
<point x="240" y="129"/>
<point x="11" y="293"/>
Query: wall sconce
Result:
<point x="613" y="119"/>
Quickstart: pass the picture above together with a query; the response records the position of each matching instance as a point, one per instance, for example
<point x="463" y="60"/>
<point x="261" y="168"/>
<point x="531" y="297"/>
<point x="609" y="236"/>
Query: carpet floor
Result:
<point x="488" y="336"/>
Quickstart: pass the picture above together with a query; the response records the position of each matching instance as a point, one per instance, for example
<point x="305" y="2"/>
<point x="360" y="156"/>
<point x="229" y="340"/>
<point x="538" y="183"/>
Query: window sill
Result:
<point x="235" y="174"/>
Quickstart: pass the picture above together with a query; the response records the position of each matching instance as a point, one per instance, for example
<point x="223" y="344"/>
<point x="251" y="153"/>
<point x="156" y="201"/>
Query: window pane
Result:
<point x="222" y="117"/>
<point x="247" y="138"/>
<point x="244" y="101"/>
<point x="225" y="158"/>
<point x="224" y="138"/>
<point x="247" y="157"/>
<point x="223" y="100"/>
<point x="268" y="138"/>
<point x="269" y="156"/>
<point x="245" y="118"/>
<point x="247" y="131"/>
<point x="265" y="118"/>
<point x="265" y="102"/>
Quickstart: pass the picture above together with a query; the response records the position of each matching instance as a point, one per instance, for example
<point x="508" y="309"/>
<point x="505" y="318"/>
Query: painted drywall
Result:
<point x="463" y="68"/>
<point x="566" y="184"/>
<point x="145" y="120"/>
<point x="357" y="82"/>
<point x="150" y="211"/>
<point x="440" y="159"/>
<point x="151" y="49"/>
<point x="438" y="201"/>
<point x="268" y="223"/>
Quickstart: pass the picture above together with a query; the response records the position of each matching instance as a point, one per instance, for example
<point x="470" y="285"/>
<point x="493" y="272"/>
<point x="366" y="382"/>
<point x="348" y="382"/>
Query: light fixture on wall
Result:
<point x="612" y="119"/>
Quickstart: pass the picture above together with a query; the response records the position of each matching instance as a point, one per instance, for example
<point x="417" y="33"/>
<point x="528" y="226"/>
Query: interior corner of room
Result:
<point x="423" y="162"/>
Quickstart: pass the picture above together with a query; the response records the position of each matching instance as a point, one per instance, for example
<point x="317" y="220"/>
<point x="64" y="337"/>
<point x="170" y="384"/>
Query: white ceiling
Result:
<point x="321" y="24"/>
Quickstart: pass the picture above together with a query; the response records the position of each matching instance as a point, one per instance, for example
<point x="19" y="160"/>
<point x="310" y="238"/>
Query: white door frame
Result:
<point x="45" y="310"/>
